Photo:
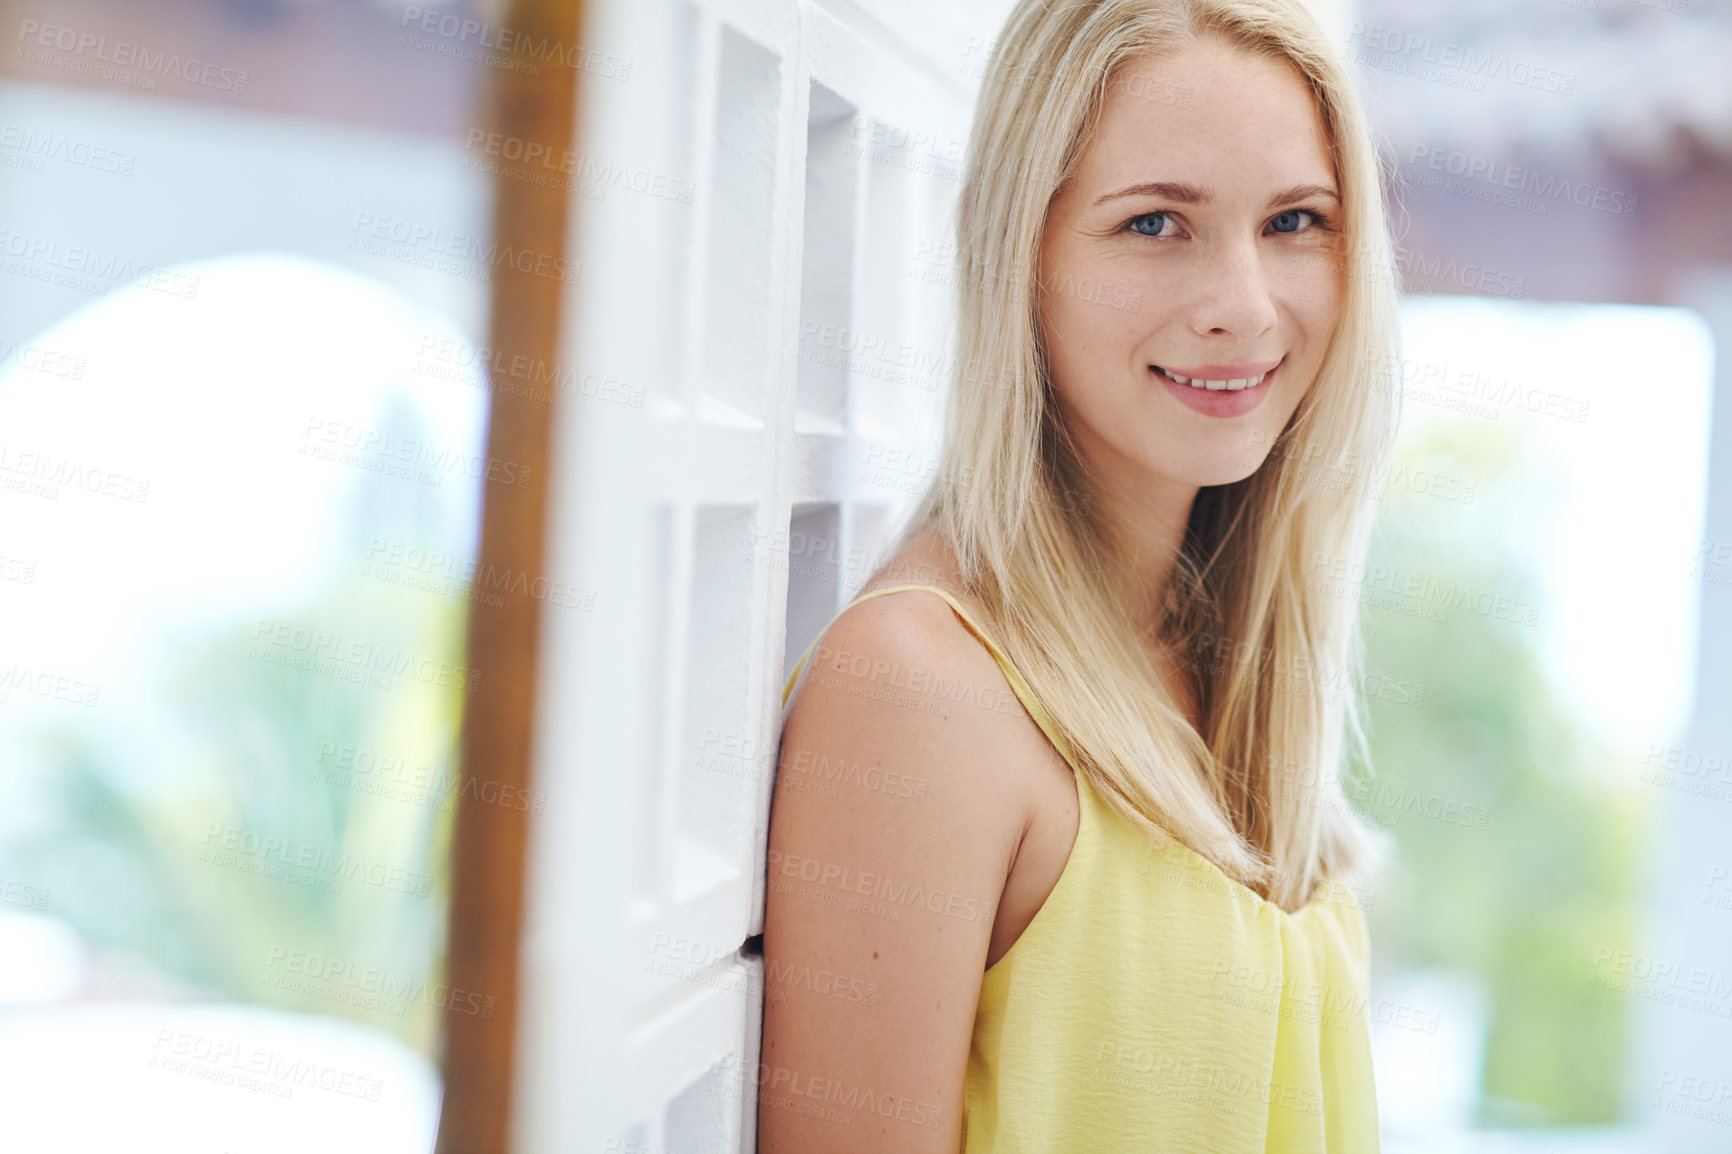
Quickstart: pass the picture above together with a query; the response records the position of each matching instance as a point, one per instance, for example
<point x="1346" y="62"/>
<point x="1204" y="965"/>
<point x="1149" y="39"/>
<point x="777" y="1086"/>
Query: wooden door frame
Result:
<point x="536" y="104"/>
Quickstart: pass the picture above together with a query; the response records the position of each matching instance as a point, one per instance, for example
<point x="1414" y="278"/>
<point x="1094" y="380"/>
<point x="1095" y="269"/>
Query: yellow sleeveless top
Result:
<point x="1155" y="1004"/>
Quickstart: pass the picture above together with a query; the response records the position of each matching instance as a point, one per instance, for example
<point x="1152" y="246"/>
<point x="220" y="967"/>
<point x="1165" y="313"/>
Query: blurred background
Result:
<point x="428" y="432"/>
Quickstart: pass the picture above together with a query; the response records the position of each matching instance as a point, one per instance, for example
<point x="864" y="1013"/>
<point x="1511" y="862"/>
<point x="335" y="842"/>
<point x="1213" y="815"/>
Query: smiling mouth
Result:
<point x="1233" y="385"/>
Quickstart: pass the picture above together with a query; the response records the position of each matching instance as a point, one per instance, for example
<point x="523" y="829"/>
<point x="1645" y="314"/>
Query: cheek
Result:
<point x="1095" y="316"/>
<point x="1313" y="289"/>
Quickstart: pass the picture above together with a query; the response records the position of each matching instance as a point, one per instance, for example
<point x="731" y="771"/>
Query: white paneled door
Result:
<point x="750" y="386"/>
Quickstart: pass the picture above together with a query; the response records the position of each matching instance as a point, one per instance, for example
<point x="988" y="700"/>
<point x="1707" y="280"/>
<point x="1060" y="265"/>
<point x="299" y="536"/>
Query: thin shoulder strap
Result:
<point x="1011" y="674"/>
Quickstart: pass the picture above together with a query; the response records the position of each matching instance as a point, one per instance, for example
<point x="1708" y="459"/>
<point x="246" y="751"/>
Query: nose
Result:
<point x="1234" y="299"/>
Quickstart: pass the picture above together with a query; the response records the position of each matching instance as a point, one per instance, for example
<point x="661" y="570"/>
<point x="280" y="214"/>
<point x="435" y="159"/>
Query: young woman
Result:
<point x="1058" y="858"/>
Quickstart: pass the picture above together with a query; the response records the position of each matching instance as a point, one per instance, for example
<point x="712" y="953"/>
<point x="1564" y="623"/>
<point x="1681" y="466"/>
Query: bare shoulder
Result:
<point x="899" y="678"/>
<point x="903" y="673"/>
<point x="899" y="808"/>
<point x="907" y="649"/>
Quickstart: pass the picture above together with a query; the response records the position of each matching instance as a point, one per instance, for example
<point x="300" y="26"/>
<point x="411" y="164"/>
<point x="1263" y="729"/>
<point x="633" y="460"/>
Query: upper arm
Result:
<point x="892" y="831"/>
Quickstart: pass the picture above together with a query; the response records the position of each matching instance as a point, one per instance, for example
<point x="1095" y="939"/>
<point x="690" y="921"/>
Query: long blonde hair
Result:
<point x="1258" y="790"/>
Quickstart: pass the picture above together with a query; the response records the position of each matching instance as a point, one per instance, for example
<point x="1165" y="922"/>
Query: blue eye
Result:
<point x="1149" y="224"/>
<point x="1292" y="215"/>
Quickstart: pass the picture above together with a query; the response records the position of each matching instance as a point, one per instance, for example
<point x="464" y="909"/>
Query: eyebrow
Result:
<point x="1191" y="194"/>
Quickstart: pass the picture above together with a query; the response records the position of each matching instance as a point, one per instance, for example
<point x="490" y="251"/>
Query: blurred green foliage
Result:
<point x="1535" y="864"/>
<point x="153" y="838"/>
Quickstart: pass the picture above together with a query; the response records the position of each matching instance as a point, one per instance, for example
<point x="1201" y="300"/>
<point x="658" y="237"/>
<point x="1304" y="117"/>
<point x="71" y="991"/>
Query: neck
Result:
<point x="1145" y="527"/>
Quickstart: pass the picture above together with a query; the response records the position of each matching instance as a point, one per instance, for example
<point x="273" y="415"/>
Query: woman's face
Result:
<point x="1198" y="238"/>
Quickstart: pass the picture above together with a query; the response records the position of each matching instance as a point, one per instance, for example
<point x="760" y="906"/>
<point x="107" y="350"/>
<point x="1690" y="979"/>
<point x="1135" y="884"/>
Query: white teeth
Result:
<point x="1217" y="386"/>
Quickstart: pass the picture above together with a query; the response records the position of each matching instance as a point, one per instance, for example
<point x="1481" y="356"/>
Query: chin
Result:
<point x="1224" y="477"/>
<point x="1224" y="468"/>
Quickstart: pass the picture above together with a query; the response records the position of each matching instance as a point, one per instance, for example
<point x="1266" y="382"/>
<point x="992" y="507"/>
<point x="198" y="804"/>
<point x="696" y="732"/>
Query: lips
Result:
<point x="1219" y="390"/>
<point x="1218" y="378"/>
